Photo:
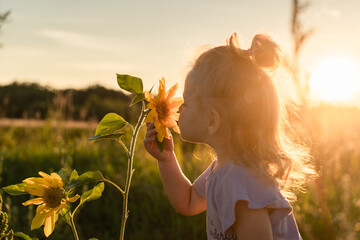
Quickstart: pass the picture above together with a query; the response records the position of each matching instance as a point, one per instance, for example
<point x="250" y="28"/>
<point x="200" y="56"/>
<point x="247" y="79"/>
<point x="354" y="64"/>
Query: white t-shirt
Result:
<point x="233" y="182"/>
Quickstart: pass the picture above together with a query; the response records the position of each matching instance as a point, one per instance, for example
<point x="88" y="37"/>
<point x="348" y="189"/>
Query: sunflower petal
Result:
<point x="176" y="129"/>
<point x="167" y="133"/>
<point x="174" y="116"/>
<point x="148" y="96"/>
<point x="150" y="117"/>
<point x="158" y="126"/>
<point x="49" y="179"/>
<point x="160" y="131"/>
<point x="36" y="201"/>
<point x="160" y="137"/>
<point x="35" y="180"/>
<point x="57" y="179"/>
<point x="169" y="122"/>
<point x="161" y="93"/>
<point x="42" y="212"/>
<point x="151" y="103"/>
<point x="49" y="224"/>
<point x="74" y="198"/>
<point x="35" y="189"/>
<point x="62" y="204"/>
<point x="176" y="102"/>
<point x="171" y="92"/>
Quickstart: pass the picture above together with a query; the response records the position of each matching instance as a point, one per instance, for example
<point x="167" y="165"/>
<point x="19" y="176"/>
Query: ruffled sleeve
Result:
<point x="200" y="183"/>
<point x="233" y="183"/>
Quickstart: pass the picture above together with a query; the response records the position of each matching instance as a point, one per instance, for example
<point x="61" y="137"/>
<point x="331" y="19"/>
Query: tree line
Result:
<point x="31" y="100"/>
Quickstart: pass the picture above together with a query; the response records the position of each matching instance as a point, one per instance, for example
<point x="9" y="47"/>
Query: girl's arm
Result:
<point x="178" y="188"/>
<point x="251" y="223"/>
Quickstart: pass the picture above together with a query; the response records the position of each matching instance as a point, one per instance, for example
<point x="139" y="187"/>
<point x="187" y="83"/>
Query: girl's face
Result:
<point x="192" y="120"/>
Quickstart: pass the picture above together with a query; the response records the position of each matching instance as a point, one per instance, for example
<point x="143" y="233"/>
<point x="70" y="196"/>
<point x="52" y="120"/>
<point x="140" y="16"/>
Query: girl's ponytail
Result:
<point x="264" y="51"/>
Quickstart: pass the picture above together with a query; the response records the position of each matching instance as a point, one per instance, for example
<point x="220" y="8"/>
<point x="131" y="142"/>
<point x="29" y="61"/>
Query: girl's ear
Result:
<point x="214" y="122"/>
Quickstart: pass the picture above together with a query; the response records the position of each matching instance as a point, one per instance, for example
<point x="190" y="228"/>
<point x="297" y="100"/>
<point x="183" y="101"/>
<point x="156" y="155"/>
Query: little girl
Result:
<point x="231" y="104"/>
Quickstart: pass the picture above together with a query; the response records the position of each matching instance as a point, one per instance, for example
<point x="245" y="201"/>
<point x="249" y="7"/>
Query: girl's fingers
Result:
<point x="150" y="132"/>
<point x="150" y="129"/>
<point x="149" y="139"/>
<point x="150" y="125"/>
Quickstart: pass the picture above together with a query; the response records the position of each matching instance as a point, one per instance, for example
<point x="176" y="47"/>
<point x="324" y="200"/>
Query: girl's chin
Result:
<point x="184" y="138"/>
<point x="187" y="139"/>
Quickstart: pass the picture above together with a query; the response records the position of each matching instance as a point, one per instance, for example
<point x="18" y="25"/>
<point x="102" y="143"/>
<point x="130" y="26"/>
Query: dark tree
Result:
<point x="299" y="36"/>
<point x="3" y="18"/>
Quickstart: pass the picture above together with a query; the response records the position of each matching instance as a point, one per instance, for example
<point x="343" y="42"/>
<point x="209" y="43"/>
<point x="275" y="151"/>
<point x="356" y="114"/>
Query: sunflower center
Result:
<point x="162" y="110"/>
<point x="53" y="196"/>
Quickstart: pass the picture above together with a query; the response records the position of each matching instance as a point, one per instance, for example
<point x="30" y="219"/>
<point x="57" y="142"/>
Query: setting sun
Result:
<point x="335" y="80"/>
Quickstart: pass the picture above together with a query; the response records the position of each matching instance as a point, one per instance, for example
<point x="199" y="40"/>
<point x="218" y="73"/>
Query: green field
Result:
<point x="329" y="209"/>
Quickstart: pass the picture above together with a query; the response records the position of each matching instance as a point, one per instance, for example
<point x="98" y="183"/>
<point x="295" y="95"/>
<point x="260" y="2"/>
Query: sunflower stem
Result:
<point x="116" y="186"/>
<point x="130" y="171"/>
<point x="124" y="146"/>
<point x="73" y="228"/>
<point x="77" y="207"/>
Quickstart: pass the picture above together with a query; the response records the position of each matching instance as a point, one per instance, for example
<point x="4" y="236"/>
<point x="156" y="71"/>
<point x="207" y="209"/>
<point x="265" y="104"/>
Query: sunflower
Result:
<point x="52" y="198"/>
<point x="163" y="110"/>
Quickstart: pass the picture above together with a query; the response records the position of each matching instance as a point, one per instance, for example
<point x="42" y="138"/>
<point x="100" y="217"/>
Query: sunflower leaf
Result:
<point x="151" y="88"/>
<point x="64" y="174"/>
<point x="138" y="97"/>
<point x="92" y="194"/>
<point x="87" y="177"/>
<point x="109" y="124"/>
<point x="65" y="212"/>
<point x="130" y="83"/>
<point x="16" y="189"/>
<point x="24" y="236"/>
<point x="74" y="175"/>
<point x="115" y="136"/>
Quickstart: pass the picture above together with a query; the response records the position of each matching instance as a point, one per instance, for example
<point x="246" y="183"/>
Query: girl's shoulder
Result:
<point x="234" y="182"/>
<point x="236" y="172"/>
<point x="235" y="178"/>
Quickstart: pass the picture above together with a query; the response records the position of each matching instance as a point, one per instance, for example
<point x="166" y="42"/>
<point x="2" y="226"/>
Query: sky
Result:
<point x="77" y="43"/>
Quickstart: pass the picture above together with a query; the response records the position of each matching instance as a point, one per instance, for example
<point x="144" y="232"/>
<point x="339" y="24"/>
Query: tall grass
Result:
<point x="329" y="209"/>
<point x="25" y="151"/>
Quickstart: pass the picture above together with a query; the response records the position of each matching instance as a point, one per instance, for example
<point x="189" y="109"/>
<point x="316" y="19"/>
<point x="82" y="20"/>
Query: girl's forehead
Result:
<point x="191" y="83"/>
<point x="187" y="94"/>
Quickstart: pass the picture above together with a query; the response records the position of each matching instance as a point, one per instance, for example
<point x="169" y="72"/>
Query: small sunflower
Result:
<point x="164" y="110"/>
<point x="51" y="199"/>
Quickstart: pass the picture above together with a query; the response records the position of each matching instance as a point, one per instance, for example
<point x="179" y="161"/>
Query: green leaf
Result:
<point x="151" y="88"/>
<point x="16" y="189"/>
<point x="160" y="145"/>
<point x="109" y="124"/>
<point x="138" y="97"/>
<point x="90" y="176"/>
<point x="130" y="83"/>
<point x="74" y="175"/>
<point x="65" y="212"/>
<point x="93" y="194"/>
<point x="115" y="136"/>
<point x="24" y="236"/>
<point x="64" y="174"/>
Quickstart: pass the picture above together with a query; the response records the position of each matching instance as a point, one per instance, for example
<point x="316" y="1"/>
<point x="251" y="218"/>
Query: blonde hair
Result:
<point x="238" y="82"/>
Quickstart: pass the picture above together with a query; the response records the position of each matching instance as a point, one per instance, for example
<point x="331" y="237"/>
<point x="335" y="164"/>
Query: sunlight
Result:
<point x="335" y="80"/>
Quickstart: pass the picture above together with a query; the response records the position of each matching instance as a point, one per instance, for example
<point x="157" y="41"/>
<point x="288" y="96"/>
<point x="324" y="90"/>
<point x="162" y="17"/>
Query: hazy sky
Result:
<point x="76" y="43"/>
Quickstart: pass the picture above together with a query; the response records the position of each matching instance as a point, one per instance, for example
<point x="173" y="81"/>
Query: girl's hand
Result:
<point x="150" y="144"/>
